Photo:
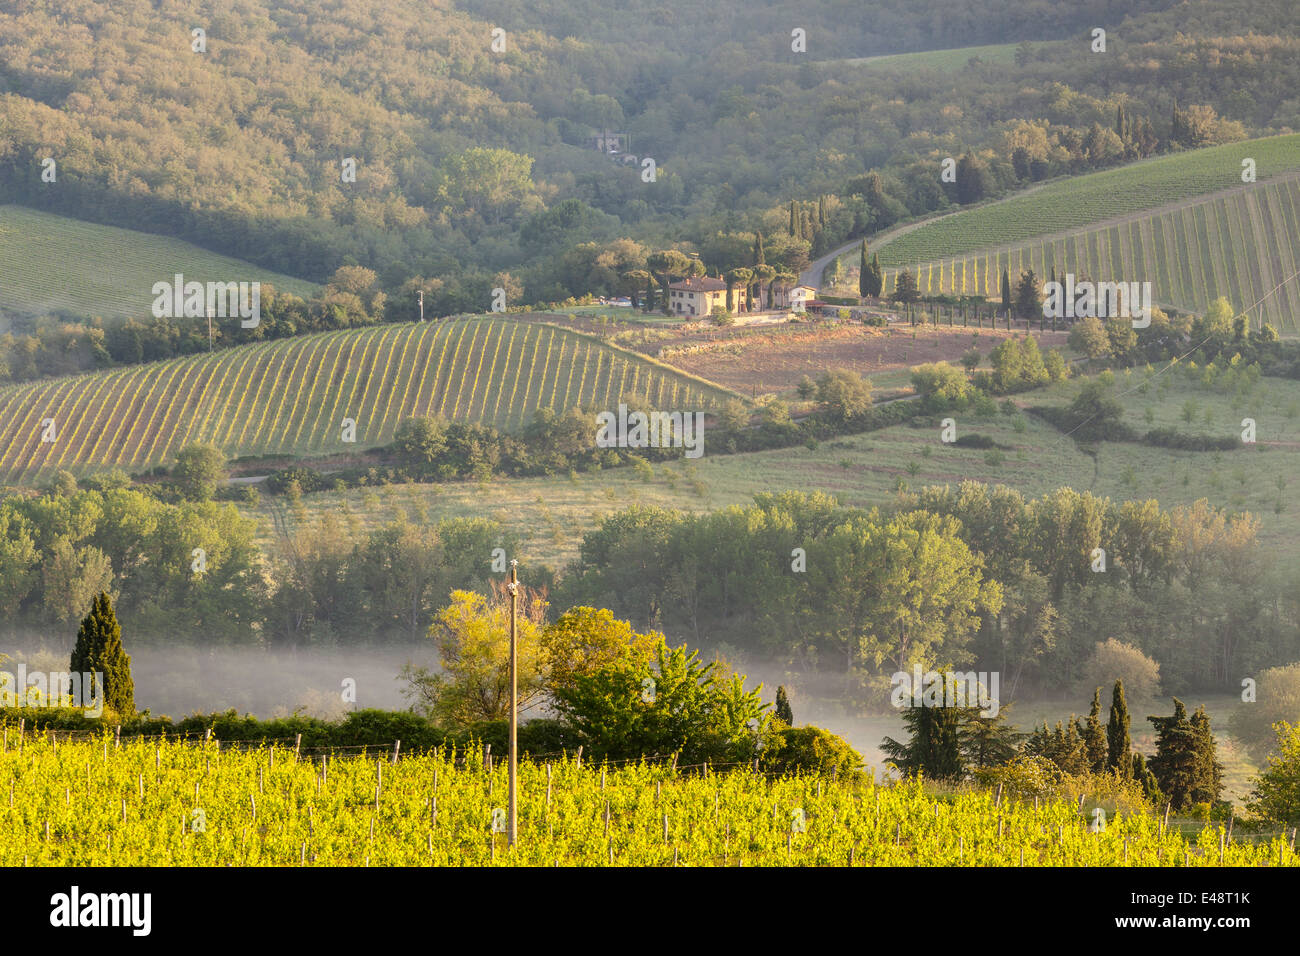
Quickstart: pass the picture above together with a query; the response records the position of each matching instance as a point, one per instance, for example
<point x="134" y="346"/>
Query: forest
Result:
<point x="473" y="169"/>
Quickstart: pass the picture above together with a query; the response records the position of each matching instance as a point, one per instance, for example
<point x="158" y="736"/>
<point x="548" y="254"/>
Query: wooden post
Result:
<point x="578" y="758"/>
<point x="397" y="746"/>
<point x="297" y="747"/>
<point x="512" y="824"/>
<point x="548" y="786"/>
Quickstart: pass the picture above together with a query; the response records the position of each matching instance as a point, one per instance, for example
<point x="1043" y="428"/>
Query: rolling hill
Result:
<point x="291" y="396"/>
<point x="1186" y="223"/>
<point x="50" y="263"/>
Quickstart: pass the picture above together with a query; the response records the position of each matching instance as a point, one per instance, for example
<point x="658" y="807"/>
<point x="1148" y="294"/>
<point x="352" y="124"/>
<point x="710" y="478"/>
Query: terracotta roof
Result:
<point x="700" y="285"/>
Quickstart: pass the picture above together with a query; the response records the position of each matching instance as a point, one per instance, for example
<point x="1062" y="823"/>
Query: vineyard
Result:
<point x="1079" y="201"/>
<point x="291" y="396"/>
<point x="144" y="802"/>
<point x="1240" y="244"/>
<point x="52" y="263"/>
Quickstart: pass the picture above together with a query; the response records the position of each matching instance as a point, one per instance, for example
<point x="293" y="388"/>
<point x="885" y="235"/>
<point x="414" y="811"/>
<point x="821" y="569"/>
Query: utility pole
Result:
<point x="512" y="825"/>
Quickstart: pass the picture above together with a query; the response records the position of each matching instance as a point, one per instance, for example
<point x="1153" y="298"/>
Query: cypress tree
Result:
<point x="1175" y="764"/>
<point x="758" y="249"/>
<point x="1094" y="737"/>
<point x="1006" y="292"/>
<point x="782" y="710"/>
<point x="877" y="277"/>
<point x="1141" y="773"/>
<point x="794" y="222"/>
<point x="1209" y="772"/>
<point x="99" y="650"/>
<point x="864" y="277"/>
<point x="1119" y="747"/>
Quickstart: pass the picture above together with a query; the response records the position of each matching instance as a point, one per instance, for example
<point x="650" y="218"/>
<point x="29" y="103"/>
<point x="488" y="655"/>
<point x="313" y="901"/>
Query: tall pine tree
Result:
<point x="758" y="249"/>
<point x="99" y="650"/>
<point x="1119" y="746"/>
<point x="1006" y="292"/>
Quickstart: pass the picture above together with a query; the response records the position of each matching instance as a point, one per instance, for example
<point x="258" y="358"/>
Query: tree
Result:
<point x="1277" y="699"/>
<point x="782" y="711"/>
<point x="472" y="636"/>
<point x="905" y="289"/>
<point x="1029" y="303"/>
<point x="974" y="181"/>
<point x="843" y="393"/>
<point x="421" y="442"/>
<point x="875" y="277"/>
<point x="665" y="265"/>
<point x="1094" y="737"/>
<point x="584" y="640"/>
<point x="99" y="650"/>
<point x="988" y="741"/>
<point x="1006" y="293"/>
<point x="1175" y="764"/>
<point x="759" y="256"/>
<point x="941" y="386"/>
<point x="934" y="749"/>
<point x="635" y="280"/>
<point x="1143" y="775"/>
<point x="763" y="276"/>
<point x="1119" y="746"/>
<point x="742" y="277"/>
<point x="668" y="703"/>
<point x="1209" y="772"/>
<point x="493" y="183"/>
<point x="1114" y="660"/>
<point x="1277" y="790"/>
<point x="1088" y="335"/>
<point x="71" y="576"/>
<point x="864" y="271"/>
<point x="199" y="469"/>
<point x="1095" y="413"/>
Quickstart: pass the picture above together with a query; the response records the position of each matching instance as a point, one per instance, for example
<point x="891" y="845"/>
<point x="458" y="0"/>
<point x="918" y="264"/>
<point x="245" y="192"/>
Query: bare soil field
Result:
<point x="759" y="360"/>
<point x="758" y="363"/>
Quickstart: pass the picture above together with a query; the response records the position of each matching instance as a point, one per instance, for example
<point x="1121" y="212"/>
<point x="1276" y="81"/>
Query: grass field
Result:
<point x="550" y="514"/>
<point x="291" y="396"/>
<point x="943" y="61"/>
<point x="170" y="804"/>
<point x="50" y="263"/>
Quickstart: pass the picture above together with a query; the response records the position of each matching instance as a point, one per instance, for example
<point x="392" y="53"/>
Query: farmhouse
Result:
<point x="701" y="296"/>
<point x="795" y="298"/>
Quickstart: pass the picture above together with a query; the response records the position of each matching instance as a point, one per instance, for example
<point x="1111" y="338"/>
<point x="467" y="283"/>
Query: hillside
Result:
<point x="54" y="264"/>
<point x="291" y="396"/>
<point x="1186" y="223"/>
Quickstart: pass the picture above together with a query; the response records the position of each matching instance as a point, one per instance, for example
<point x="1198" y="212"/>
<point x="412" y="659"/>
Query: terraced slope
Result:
<point x="291" y="396"/>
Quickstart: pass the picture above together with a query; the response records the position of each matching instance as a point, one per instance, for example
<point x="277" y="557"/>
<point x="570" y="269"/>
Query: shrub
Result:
<point x="1114" y="660"/>
<point x="791" y="750"/>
